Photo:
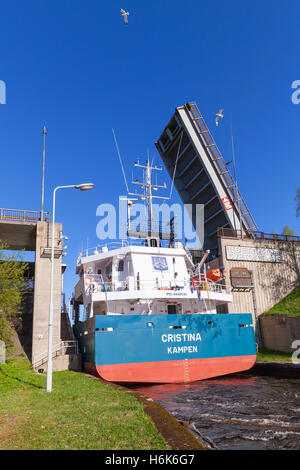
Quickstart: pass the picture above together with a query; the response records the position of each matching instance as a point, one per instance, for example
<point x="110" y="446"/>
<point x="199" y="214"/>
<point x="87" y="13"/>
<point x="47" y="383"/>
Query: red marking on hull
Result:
<point x="180" y="371"/>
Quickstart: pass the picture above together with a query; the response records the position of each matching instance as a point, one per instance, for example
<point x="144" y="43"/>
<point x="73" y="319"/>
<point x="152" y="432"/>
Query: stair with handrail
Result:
<point x="63" y="349"/>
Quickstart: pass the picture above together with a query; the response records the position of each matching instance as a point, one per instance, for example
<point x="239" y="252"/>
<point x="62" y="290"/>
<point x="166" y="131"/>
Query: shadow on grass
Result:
<point x="19" y="380"/>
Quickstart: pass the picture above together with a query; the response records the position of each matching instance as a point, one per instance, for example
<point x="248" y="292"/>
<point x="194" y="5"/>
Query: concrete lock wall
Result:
<point x="280" y="331"/>
<point x="42" y="288"/>
<point x="272" y="280"/>
<point x="275" y="270"/>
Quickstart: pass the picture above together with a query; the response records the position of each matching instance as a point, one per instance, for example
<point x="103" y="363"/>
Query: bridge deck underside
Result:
<point x="192" y="179"/>
<point x="18" y="235"/>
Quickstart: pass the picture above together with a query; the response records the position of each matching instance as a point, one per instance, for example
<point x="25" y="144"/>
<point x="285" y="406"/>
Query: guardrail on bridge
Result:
<point x="256" y="235"/>
<point x="23" y="215"/>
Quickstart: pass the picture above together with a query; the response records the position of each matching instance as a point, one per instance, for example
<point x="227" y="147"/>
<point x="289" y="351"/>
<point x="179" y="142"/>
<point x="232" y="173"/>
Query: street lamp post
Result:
<point x="82" y="187"/>
<point x="43" y="176"/>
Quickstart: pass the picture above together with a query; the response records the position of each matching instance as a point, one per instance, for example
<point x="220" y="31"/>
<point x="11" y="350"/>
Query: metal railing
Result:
<point x="59" y="349"/>
<point x="104" y="247"/>
<point x="239" y="234"/>
<point x="212" y="287"/>
<point x="180" y="285"/>
<point x="221" y="167"/>
<point x="133" y="285"/>
<point x="22" y="215"/>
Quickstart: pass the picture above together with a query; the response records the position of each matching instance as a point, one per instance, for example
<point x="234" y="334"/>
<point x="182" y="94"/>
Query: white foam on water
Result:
<point x="269" y="435"/>
<point x="262" y="422"/>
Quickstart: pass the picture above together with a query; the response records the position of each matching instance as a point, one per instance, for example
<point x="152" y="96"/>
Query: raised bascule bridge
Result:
<point x="201" y="175"/>
<point x="261" y="268"/>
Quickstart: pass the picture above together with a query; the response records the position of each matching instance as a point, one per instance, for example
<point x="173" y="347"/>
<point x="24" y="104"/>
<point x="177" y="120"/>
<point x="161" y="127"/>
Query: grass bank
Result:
<point x="268" y="355"/>
<point x="290" y="305"/>
<point x="79" y="414"/>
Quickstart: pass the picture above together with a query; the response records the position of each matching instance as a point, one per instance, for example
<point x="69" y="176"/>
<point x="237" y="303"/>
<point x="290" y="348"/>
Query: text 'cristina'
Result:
<point x="177" y="338"/>
<point x="181" y="337"/>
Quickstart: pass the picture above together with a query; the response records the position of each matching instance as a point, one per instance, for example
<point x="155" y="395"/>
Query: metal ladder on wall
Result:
<point x="221" y="167"/>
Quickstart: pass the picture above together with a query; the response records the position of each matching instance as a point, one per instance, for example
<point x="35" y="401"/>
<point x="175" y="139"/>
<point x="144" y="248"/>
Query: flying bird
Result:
<point x="125" y="14"/>
<point x="218" y="116"/>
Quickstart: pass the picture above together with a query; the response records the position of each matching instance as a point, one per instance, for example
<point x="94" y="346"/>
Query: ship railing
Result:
<point x="212" y="287"/>
<point x="178" y="284"/>
<point x="131" y="284"/>
<point x="104" y="247"/>
<point x="59" y="349"/>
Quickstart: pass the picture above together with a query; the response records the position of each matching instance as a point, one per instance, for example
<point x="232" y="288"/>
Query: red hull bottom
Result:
<point x="181" y="371"/>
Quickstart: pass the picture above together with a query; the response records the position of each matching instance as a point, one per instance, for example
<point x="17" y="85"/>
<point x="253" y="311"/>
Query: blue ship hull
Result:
<point x="168" y="348"/>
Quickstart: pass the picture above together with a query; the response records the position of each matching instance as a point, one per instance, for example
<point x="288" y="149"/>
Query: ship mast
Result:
<point x="147" y="186"/>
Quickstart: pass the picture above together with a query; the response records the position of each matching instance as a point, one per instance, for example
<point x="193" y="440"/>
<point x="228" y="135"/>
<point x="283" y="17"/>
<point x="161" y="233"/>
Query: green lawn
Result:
<point x="267" y="355"/>
<point x="80" y="413"/>
<point x="290" y="305"/>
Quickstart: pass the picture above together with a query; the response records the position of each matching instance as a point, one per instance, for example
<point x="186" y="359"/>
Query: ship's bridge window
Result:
<point x="120" y="266"/>
<point x="108" y="269"/>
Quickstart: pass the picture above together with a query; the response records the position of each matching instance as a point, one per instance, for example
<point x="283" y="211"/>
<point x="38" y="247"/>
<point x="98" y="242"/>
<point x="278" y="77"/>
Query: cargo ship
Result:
<point x="151" y="314"/>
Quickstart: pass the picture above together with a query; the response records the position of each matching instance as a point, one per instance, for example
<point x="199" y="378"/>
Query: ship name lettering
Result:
<point x="177" y="338"/>
<point x="182" y="349"/>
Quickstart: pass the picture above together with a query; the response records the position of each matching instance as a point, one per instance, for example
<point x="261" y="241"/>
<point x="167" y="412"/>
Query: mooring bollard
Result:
<point x="2" y="352"/>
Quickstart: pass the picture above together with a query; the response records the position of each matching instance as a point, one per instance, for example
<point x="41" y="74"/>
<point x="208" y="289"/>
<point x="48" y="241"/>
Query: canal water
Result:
<point x="237" y="412"/>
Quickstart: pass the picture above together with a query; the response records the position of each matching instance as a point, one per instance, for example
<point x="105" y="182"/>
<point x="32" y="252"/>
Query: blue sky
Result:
<point x="74" y="67"/>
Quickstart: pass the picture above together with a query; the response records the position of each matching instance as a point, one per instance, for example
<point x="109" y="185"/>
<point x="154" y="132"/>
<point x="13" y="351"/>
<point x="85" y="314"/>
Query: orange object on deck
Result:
<point x="214" y="275"/>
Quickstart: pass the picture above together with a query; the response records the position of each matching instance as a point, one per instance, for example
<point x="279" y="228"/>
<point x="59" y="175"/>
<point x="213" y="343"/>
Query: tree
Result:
<point x="288" y="231"/>
<point x="12" y="282"/>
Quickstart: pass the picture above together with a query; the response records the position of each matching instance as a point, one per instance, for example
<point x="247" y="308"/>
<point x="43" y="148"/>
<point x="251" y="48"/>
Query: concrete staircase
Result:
<point x="65" y="354"/>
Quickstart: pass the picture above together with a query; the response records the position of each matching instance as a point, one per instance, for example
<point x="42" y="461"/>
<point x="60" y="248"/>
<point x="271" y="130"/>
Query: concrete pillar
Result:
<point x="42" y="288"/>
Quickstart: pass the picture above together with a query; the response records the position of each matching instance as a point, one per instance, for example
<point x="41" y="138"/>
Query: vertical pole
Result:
<point x="128" y="216"/>
<point x="148" y="176"/>
<point x="43" y="177"/>
<point x="50" y="326"/>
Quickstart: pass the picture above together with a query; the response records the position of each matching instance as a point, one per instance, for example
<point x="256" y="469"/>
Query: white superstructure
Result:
<point x="143" y="280"/>
<point x="141" y="276"/>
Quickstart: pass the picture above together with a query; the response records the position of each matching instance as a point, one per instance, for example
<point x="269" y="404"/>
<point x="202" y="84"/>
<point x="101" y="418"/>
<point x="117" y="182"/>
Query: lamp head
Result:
<point x="85" y="186"/>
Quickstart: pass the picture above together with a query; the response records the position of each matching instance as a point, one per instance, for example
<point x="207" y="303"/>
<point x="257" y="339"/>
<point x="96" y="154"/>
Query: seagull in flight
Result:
<point x="218" y="116"/>
<point x="125" y="14"/>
